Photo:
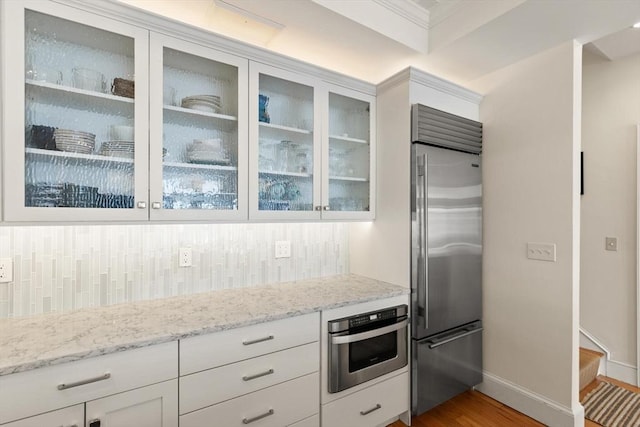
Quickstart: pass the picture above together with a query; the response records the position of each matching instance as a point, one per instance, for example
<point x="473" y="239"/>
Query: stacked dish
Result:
<point x="208" y="151"/>
<point x="207" y="103"/>
<point x="74" y="141"/>
<point x="117" y="148"/>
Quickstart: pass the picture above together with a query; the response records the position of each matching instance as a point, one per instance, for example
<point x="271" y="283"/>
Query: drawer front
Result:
<point x="34" y="392"/>
<point x="222" y="348"/>
<point x="276" y="406"/>
<point x="313" y="421"/>
<point x="67" y="417"/>
<point x="371" y="406"/>
<point x="226" y="382"/>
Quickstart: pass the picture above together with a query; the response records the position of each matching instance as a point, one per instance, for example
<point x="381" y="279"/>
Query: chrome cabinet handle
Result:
<point x="254" y="376"/>
<point x="258" y="417"/>
<point x="142" y="205"/>
<point x="326" y="208"/>
<point x="256" y="341"/>
<point x="155" y="205"/>
<point x="346" y="339"/>
<point x="368" y="411"/>
<point x="64" y="386"/>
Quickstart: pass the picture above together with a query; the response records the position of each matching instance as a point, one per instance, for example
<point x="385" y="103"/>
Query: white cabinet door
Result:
<point x="284" y="140"/>
<point x="67" y="417"/>
<point x="198" y="132"/>
<point x="348" y="155"/>
<point x="151" y="406"/>
<point x="76" y="133"/>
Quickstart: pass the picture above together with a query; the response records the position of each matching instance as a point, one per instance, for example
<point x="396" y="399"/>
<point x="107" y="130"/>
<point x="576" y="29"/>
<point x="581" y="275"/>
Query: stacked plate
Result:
<point x="117" y="149"/>
<point x="74" y="141"/>
<point x="207" y="103"/>
<point x="208" y="151"/>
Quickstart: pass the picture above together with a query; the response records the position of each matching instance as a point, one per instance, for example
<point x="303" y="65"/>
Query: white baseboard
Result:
<point x="532" y="404"/>
<point x="622" y="372"/>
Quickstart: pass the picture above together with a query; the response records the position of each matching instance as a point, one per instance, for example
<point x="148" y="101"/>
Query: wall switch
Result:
<point x="541" y="251"/>
<point x="611" y="243"/>
<point x="283" y="249"/>
<point x="185" y="257"/>
<point x="6" y="270"/>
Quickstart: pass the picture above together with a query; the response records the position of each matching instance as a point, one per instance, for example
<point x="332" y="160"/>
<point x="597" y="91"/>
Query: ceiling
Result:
<point x="459" y="40"/>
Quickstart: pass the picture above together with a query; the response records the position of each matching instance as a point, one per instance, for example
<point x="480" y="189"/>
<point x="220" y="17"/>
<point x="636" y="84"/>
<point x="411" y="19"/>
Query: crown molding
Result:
<point x="408" y="10"/>
<point x="423" y="78"/>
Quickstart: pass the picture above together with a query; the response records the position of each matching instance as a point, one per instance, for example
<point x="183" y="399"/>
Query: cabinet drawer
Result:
<point x="226" y="382"/>
<point x="371" y="406"/>
<point x="67" y="417"/>
<point x="313" y="421"/>
<point x="221" y="348"/>
<point x="37" y="391"/>
<point x="275" y="406"/>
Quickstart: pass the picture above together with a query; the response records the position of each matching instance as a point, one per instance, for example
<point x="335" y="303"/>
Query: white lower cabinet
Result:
<point x="67" y="417"/>
<point x="369" y="407"/>
<point x="277" y="406"/>
<point x="313" y="421"/>
<point x="151" y="406"/>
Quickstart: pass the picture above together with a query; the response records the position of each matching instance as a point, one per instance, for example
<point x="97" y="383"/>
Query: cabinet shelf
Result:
<point x="180" y="165"/>
<point x="348" y="178"/>
<point x="177" y="115"/>
<point x="51" y="93"/>
<point x="273" y="131"/>
<point x="293" y="174"/>
<point x="94" y="159"/>
<point x="348" y="139"/>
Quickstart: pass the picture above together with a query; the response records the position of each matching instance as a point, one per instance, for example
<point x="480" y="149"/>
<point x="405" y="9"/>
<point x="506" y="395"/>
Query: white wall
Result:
<point x="611" y="111"/>
<point x="530" y="175"/>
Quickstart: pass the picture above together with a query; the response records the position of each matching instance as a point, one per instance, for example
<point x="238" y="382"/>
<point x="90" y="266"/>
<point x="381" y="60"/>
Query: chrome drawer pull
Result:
<point x="368" y="411"/>
<point x="256" y="341"/>
<point x="258" y="417"/>
<point x="254" y="376"/>
<point x="106" y="376"/>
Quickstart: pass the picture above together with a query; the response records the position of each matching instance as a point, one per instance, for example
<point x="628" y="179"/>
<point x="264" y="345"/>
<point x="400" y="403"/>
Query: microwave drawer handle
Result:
<point x="345" y="339"/>
<point x="436" y="344"/>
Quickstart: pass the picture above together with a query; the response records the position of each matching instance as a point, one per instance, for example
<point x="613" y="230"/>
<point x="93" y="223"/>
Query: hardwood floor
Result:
<point x="474" y="409"/>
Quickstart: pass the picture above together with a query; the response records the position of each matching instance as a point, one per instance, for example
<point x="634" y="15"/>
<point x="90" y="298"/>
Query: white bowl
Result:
<point x="122" y="132"/>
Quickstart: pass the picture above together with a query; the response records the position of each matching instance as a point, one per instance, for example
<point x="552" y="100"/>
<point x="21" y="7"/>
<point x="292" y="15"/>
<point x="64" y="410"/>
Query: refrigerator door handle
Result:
<point x="423" y="271"/>
<point x="466" y="333"/>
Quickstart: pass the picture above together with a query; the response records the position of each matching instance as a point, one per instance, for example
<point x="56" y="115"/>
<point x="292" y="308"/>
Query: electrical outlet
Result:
<point x="185" y="257"/>
<point x="541" y="251"/>
<point x="283" y="249"/>
<point x="6" y="270"/>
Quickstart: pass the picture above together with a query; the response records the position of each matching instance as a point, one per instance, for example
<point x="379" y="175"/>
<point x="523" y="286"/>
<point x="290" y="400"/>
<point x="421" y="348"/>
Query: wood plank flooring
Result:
<point x="474" y="409"/>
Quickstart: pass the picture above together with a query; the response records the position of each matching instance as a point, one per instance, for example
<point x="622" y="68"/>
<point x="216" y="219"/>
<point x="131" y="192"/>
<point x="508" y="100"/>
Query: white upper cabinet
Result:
<point x="76" y="125"/>
<point x="198" y="132"/>
<point x="312" y="148"/>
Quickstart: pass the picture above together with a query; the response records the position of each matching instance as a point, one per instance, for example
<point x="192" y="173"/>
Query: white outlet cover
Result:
<point x="185" y="257"/>
<point x="541" y="251"/>
<point x="6" y="270"/>
<point x="283" y="249"/>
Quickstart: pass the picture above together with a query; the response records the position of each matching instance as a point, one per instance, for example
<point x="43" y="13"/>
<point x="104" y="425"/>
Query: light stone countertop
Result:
<point x="35" y="342"/>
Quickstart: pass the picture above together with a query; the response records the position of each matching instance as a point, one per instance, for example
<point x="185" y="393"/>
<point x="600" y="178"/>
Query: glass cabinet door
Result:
<point x="76" y="140"/>
<point x="349" y="154"/>
<point x="285" y="147"/>
<point x="198" y="132"/>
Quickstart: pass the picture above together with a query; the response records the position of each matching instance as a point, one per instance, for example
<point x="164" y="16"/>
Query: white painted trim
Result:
<point x="408" y="10"/>
<point x="431" y="81"/>
<point x="191" y="33"/>
<point x="622" y="372"/>
<point x="596" y="343"/>
<point x="638" y="253"/>
<point x="532" y="404"/>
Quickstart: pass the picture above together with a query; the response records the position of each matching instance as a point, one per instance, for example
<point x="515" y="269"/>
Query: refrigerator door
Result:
<point x="446" y="225"/>
<point x="445" y="366"/>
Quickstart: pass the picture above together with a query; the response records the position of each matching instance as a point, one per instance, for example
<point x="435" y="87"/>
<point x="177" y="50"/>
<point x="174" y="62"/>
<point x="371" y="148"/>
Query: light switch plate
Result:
<point x="611" y="243"/>
<point x="541" y="251"/>
<point x="283" y="249"/>
<point x="6" y="270"/>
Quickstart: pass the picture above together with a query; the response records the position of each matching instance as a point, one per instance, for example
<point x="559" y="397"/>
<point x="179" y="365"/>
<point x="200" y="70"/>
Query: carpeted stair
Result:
<point x="589" y="364"/>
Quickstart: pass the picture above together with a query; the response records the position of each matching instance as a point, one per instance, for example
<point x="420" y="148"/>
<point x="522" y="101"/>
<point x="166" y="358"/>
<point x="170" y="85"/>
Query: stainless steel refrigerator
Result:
<point x="446" y="256"/>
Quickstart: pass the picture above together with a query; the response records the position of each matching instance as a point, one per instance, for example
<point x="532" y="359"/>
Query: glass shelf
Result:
<point x="348" y="178"/>
<point x="177" y="115"/>
<point x="348" y="139"/>
<point x="292" y="174"/>
<point x="179" y="165"/>
<point x="94" y="159"/>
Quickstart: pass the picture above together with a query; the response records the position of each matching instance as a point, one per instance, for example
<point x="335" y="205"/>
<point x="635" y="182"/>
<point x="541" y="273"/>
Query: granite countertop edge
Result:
<point x="383" y="290"/>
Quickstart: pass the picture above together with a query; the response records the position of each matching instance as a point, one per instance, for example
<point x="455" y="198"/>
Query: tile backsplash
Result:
<point x="61" y="268"/>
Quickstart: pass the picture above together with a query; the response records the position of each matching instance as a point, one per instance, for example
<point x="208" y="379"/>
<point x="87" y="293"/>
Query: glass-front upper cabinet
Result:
<point x="198" y="133"/>
<point x="348" y="166"/>
<point x="75" y="134"/>
<point x="285" y="145"/>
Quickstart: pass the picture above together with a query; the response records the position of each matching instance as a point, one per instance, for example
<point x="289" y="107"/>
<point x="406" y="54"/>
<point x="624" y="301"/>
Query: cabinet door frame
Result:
<point x="371" y="99"/>
<point x="13" y="88"/>
<point x="255" y="69"/>
<point x="158" y="42"/>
